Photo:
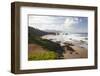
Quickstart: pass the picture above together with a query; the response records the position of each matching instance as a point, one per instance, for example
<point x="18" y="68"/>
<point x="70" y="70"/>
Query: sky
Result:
<point x="59" y="23"/>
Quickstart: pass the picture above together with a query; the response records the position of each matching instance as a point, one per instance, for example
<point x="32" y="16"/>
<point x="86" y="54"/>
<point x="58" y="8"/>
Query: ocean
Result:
<point x="80" y="38"/>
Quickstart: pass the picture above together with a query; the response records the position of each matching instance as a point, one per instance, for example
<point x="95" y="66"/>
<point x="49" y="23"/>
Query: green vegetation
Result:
<point x="34" y="37"/>
<point x="46" y="44"/>
<point x="47" y="55"/>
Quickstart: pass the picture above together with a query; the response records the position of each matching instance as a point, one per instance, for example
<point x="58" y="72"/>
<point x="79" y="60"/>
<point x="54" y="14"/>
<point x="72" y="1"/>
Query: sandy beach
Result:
<point x="70" y="51"/>
<point x="79" y="52"/>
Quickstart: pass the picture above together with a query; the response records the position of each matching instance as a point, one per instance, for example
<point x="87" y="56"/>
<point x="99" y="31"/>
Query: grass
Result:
<point x="46" y="44"/>
<point x="46" y="55"/>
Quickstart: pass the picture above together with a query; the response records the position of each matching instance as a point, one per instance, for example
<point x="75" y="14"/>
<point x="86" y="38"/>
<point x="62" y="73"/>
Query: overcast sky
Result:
<point x="59" y="23"/>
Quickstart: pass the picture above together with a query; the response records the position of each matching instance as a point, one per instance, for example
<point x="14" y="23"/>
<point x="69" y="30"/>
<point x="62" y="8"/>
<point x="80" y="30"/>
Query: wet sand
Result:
<point x="79" y="52"/>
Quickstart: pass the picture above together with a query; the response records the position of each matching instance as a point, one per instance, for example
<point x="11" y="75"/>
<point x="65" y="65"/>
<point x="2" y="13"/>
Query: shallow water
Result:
<point x="79" y="38"/>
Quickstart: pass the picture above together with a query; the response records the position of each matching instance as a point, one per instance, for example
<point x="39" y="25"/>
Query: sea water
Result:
<point x="81" y="39"/>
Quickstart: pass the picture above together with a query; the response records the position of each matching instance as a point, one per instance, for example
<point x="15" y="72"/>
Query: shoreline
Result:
<point x="79" y="52"/>
<point x="71" y="51"/>
<point x="71" y="48"/>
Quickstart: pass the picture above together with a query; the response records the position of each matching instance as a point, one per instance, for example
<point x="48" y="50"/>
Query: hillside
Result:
<point x="34" y="38"/>
<point x="37" y="32"/>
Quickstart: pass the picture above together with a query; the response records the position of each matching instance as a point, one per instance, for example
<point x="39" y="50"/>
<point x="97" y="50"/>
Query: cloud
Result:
<point x="46" y="22"/>
<point x="59" y="23"/>
<point x="70" y="22"/>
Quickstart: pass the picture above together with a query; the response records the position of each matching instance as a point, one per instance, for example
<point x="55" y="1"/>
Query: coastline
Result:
<point x="79" y="52"/>
<point x="78" y="45"/>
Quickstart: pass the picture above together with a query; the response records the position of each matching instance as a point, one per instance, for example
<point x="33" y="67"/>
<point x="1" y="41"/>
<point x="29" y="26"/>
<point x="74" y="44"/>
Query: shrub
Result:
<point x="47" y="55"/>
